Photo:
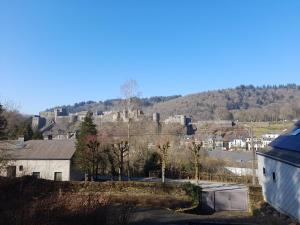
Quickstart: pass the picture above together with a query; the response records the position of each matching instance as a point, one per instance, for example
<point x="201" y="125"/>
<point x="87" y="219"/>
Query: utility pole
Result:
<point x="253" y="158"/>
<point x="250" y="131"/>
<point x="128" y="136"/>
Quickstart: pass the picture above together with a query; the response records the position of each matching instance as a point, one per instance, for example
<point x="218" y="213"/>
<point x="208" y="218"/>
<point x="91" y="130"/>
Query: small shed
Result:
<point x="224" y="197"/>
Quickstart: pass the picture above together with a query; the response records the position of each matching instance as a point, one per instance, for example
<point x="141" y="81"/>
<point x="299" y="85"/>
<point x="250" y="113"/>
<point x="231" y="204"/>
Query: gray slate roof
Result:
<point x="42" y="149"/>
<point x="286" y="148"/>
<point x="286" y="156"/>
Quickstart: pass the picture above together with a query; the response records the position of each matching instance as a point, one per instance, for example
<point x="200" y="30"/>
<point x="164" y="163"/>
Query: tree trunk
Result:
<point x="163" y="168"/>
<point x="121" y="167"/>
<point x="120" y="176"/>
<point x="197" y="171"/>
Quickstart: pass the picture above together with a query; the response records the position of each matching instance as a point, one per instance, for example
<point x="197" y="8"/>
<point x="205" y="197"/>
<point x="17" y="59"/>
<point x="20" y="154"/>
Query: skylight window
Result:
<point x="295" y="132"/>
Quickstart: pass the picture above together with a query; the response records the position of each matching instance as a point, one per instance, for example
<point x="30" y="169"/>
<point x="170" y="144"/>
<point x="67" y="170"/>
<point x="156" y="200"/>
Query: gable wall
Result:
<point x="47" y="168"/>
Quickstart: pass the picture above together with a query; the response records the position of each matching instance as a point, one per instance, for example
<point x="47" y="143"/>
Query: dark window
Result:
<point x="36" y="175"/>
<point x="50" y="137"/>
<point x="20" y="168"/>
<point x="274" y="176"/>
<point x="58" y="176"/>
<point x="264" y="171"/>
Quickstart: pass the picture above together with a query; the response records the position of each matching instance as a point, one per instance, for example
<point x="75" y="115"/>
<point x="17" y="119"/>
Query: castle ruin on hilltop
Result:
<point x="60" y="124"/>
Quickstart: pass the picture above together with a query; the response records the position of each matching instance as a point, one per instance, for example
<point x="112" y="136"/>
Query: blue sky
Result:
<point x="61" y="52"/>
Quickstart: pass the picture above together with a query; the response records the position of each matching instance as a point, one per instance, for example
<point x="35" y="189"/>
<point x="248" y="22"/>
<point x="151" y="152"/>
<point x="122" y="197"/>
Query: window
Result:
<point x="274" y="176"/>
<point x="36" y="175"/>
<point x="264" y="171"/>
<point x="58" y="176"/>
<point x="20" y="168"/>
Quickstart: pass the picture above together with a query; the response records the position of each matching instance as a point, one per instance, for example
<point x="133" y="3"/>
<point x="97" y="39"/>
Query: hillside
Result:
<point x="243" y="103"/>
<point x="114" y="104"/>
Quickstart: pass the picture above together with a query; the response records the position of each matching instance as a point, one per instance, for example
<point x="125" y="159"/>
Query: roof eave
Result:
<point x="278" y="159"/>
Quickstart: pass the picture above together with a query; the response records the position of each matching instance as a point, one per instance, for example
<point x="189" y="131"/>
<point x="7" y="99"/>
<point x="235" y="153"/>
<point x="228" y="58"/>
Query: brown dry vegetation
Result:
<point x="243" y="103"/>
<point x="28" y="201"/>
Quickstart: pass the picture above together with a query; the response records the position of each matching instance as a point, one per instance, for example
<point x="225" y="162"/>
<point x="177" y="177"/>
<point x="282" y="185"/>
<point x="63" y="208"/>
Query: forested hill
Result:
<point x="243" y="103"/>
<point x="114" y="104"/>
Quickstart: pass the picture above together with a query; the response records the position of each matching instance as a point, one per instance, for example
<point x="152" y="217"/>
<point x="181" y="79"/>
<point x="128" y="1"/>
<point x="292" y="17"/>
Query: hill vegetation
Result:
<point x="243" y="103"/>
<point x="114" y="104"/>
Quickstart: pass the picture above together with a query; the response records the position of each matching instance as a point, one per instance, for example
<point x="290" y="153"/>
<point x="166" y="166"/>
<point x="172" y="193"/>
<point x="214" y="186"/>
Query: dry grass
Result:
<point x="68" y="209"/>
<point x="260" y="128"/>
<point x="27" y="201"/>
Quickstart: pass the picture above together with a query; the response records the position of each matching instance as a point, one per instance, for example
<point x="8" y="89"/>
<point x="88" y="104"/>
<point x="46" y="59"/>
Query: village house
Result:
<point x="46" y="159"/>
<point x="279" y="172"/>
<point x="219" y="144"/>
<point x="237" y="144"/>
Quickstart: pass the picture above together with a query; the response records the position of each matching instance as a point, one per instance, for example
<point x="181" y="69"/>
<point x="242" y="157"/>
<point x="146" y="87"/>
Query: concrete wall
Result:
<point x="283" y="193"/>
<point x="47" y="168"/>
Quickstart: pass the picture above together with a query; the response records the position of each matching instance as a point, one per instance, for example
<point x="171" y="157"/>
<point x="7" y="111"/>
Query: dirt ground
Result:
<point x="156" y="216"/>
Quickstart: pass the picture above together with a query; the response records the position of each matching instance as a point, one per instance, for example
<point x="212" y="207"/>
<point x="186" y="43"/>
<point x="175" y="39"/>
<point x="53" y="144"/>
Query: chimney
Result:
<point x="20" y="144"/>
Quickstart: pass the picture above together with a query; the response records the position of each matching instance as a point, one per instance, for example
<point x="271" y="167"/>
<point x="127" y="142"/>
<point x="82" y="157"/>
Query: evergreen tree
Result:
<point x="152" y="163"/>
<point x="37" y="135"/>
<point x="86" y="145"/>
<point x="27" y="132"/>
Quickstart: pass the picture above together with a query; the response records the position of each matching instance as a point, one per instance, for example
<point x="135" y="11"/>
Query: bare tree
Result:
<point x="163" y="150"/>
<point x="120" y="151"/>
<point x="196" y="151"/>
<point x="129" y="91"/>
<point x="3" y="124"/>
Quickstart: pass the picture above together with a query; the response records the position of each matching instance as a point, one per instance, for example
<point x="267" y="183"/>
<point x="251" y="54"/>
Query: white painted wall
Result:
<point x="47" y="168"/>
<point x="284" y="193"/>
<point x="240" y="171"/>
<point x="237" y="143"/>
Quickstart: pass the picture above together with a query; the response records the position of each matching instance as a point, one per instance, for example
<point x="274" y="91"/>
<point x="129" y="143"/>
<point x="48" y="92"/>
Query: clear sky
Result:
<point x="55" y="52"/>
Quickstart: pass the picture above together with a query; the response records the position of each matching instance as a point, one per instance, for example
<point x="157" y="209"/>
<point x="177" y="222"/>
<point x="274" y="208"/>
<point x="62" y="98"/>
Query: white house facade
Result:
<point x="46" y="159"/>
<point x="279" y="173"/>
<point x="237" y="143"/>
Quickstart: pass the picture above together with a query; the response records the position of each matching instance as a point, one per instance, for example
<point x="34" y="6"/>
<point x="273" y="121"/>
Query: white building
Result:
<point x="46" y="159"/>
<point x="237" y="144"/>
<point x="270" y="136"/>
<point x="279" y="173"/>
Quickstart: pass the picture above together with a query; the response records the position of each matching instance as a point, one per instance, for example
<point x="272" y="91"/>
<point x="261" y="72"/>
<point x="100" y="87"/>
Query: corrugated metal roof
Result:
<point x="44" y="149"/>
